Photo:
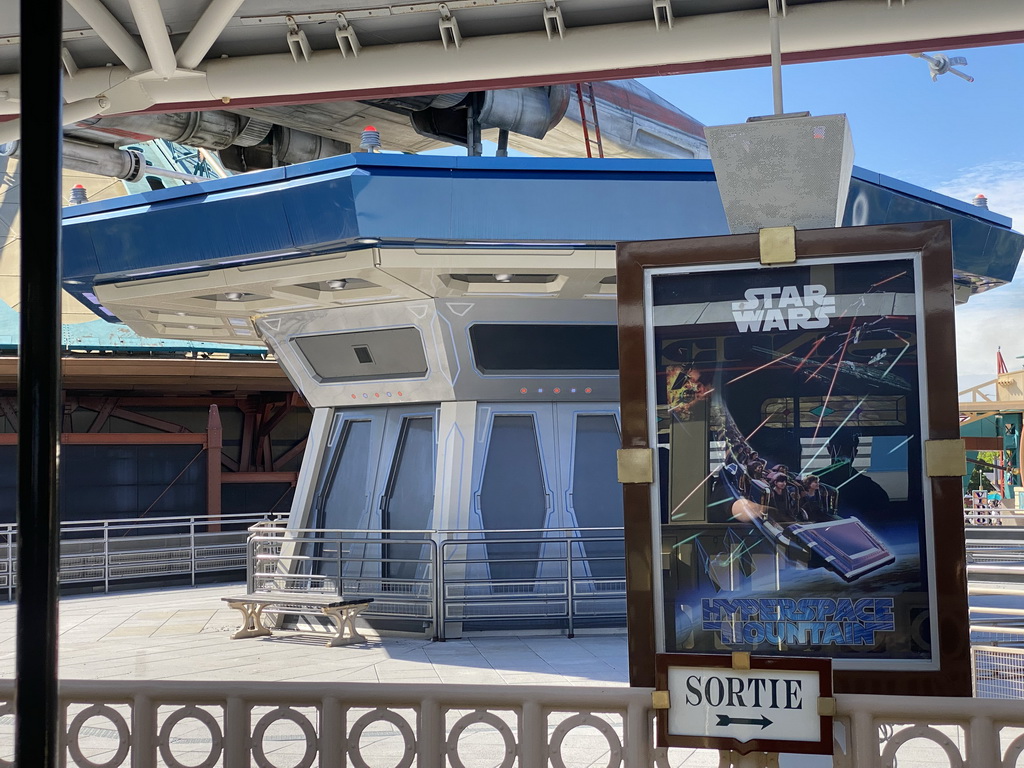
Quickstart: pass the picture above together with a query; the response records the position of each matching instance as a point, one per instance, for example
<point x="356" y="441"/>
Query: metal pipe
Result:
<point x="111" y="32"/>
<point x="205" y="32"/>
<point x="125" y="164"/>
<point x="72" y="113"/>
<point x="167" y="173"/>
<point x="773" y="21"/>
<point x="37" y="706"/>
<point x="153" y="29"/>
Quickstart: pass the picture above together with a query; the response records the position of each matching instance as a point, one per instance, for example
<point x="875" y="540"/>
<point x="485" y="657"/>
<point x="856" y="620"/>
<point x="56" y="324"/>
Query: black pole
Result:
<point x="502" y="150"/>
<point x="36" y="702"/>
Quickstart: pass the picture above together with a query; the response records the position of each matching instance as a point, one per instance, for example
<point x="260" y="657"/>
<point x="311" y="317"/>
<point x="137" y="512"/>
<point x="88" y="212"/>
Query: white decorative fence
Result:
<point x="335" y="725"/>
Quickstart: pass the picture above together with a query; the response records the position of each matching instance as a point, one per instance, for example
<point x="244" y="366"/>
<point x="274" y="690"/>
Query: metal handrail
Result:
<point x="291" y="549"/>
<point x="119" y="549"/>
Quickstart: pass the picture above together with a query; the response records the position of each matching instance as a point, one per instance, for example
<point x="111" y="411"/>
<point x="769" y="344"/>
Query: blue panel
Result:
<point x="329" y="204"/>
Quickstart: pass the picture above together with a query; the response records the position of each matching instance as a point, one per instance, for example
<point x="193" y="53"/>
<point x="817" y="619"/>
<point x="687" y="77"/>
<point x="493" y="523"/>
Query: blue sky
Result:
<point x="951" y="136"/>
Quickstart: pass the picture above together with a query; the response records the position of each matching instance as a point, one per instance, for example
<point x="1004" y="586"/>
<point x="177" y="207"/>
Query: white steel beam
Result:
<point x="813" y="32"/>
<point x="72" y="113"/>
<point x="111" y="33"/>
<point x="153" y="28"/>
<point x="206" y="31"/>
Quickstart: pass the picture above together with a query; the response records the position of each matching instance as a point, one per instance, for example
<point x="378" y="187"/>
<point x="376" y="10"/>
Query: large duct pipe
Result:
<point x="527" y="111"/>
<point x="405" y="104"/>
<point x="246" y="143"/>
<point x="285" y="146"/>
<point x="127" y="164"/>
<point x="211" y="130"/>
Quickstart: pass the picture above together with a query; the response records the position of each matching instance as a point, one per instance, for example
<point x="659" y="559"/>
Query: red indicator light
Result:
<point x="399" y="394"/>
<point x="353" y="397"/>
<point x="588" y="390"/>
<point x="522" y="391"/>
<point x="376" y="394"/>
<point x="557" y="390"/>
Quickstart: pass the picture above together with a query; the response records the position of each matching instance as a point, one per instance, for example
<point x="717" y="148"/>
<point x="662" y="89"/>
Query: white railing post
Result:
<point x="430" y="736"/>
<point x="237" y="733"/>
<point x="533" y="735"/>
<point x="12" y="534"/>
<point x="333" y="745"/>
<point x="106" y="556"/>
<point x="862" y="742"/>
<point x="440" y="612"/>
<point x="568" y="581"/>
<point x="637" y="747"/>
<point x="983" y="743"/>
<point x="144" y="732"/>
<point x="192" y="547"/>
<point x="250" y="561"/>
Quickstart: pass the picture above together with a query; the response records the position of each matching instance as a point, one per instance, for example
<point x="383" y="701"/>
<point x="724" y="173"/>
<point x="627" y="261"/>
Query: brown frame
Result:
<point x="824" y="746"/>
<point x="933" y="240"/>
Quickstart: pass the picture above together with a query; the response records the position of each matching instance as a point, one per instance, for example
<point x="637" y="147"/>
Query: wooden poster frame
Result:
<point x="933" y="240"/>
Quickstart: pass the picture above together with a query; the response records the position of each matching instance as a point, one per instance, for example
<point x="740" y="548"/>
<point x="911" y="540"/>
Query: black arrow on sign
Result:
<point x="763" y="721"/>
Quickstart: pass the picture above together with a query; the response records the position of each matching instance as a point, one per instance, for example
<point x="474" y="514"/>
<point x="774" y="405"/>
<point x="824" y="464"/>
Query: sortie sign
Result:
<point x="772" y="706"/>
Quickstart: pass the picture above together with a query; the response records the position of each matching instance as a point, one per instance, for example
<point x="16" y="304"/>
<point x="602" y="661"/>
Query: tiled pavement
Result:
<point x="184" y="634"/>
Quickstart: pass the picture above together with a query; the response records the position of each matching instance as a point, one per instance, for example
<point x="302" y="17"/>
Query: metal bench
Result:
<point x="341" y="611"/>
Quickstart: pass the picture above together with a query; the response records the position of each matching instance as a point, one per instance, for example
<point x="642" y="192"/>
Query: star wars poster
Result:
<point x="794" y="518"/>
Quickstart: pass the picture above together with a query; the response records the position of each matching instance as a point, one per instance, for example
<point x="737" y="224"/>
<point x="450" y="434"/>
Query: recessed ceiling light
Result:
<point x="503" y="278"/>
<point x="337" y="285"/>
<point x="233" y="296"/>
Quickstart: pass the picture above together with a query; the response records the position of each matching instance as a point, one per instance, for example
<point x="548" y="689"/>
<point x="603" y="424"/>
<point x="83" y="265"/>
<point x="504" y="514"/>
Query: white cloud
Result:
<point x="995" y="318"/>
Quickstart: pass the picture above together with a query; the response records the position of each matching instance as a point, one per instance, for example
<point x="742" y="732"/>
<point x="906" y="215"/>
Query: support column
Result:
<point x="214" y="443"/>
<point x="37" y="706"/>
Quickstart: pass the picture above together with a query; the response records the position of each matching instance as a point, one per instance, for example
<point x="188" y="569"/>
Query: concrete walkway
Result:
<point x="185" y="634"/>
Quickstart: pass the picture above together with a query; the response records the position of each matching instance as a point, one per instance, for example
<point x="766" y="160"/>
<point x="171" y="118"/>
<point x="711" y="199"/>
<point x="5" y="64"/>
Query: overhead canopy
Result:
<point x="176" y="55"/>
<point x="394" y="226"/>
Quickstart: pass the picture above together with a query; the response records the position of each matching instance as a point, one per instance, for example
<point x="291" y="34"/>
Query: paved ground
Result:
<point x="185" y="634"/>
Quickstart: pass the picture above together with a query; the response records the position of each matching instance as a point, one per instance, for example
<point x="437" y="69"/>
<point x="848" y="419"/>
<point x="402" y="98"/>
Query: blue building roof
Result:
<point x="348" y="201"/>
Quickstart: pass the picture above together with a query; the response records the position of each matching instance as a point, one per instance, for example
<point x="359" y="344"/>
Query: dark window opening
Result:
<point x="521" y="348"/>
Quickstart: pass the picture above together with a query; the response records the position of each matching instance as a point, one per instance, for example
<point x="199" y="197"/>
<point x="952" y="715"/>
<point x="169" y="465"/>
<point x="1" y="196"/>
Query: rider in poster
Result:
<point x="793" y="516"/>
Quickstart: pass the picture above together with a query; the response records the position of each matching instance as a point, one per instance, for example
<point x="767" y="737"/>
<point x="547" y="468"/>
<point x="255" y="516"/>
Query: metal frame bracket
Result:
<point x="553" y="19"/>
<point x="945" y="458"/>
<point x="662" y="13"/>
<point x="635" y="465"/>
<point x="778" y="245"/>
<point x="346" y="37"/>
<point x="449" y="27"/>
<point x="297" y="42"/>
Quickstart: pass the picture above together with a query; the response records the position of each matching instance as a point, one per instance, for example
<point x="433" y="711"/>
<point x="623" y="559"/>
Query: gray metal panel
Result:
<point x="470" y="384"/>
<point x="435" y="385"/>
<point x="776" y="172"/>
<point x="362" y="356"/>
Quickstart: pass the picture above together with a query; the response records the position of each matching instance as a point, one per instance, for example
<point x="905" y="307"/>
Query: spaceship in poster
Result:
<point x="794" y="517"/>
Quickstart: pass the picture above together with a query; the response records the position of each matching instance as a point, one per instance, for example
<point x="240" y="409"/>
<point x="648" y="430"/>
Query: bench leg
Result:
<point x="252" y="621"/>
<point x="344" y="619"/>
